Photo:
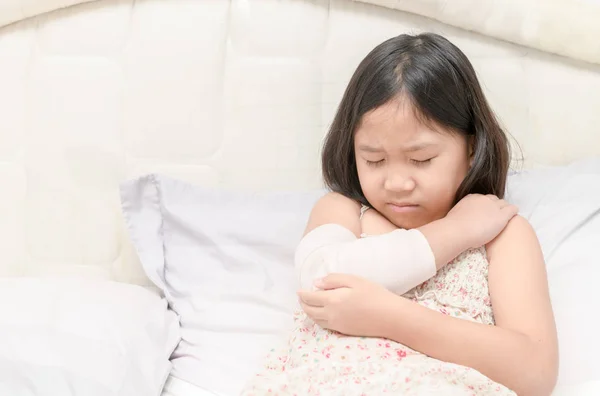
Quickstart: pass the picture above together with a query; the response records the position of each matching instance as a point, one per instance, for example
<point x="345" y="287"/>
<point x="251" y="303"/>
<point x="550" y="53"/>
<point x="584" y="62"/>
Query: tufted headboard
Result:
<point x="233" y="94"/>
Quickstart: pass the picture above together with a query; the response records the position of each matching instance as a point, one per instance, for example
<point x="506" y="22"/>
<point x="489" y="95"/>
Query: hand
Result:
<point x="481" y="218"/>
<point x="348" y="304"/>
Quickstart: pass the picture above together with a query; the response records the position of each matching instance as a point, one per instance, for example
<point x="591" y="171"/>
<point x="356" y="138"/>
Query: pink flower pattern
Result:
<point x="316" y="361"/>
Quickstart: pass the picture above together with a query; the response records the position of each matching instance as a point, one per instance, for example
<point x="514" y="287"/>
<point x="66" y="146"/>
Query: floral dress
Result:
<point x="320" y="362"/>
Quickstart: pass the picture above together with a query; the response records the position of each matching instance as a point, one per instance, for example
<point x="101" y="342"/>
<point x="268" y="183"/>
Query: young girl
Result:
<point x="427" y="282"/>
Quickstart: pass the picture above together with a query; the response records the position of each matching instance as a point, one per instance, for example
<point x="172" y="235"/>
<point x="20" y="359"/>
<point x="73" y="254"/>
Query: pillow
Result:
<point x="563" y="206"/>
<point x="74" y="337"/>
<point x="224" y="261"/>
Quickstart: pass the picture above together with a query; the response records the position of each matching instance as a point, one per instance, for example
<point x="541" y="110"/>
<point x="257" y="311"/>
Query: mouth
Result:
<point x="402" y="207"/>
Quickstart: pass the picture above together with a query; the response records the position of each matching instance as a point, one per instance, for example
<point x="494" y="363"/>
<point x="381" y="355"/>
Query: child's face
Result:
<point x="402" y="161"/>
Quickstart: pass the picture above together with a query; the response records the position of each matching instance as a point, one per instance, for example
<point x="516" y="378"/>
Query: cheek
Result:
<point x="368" y="181"/>
<point x="441" y="189"/>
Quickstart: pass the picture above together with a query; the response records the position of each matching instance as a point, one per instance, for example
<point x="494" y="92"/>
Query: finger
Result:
<point x="336" y="281"/>
<point x="315" y="313"/>
<point x="503" y="203"/>
<point x="313" y="298"/>
<point x="322" y="323"/>
<point x="510" y="210"/>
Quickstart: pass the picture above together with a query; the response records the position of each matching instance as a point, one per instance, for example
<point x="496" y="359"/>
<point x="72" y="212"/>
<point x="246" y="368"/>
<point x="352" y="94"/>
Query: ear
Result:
<point x="471" y="149"/>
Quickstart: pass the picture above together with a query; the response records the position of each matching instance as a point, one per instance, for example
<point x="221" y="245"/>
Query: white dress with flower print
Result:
<point x="319" y="362"/>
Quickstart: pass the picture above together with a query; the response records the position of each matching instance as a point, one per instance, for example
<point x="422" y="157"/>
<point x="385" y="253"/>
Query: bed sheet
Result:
<point x="590" y="388"/>
<point x="177" y="387"/>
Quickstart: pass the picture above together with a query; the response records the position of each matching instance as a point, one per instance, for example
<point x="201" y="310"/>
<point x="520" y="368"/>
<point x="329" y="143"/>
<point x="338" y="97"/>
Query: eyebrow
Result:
<point x="418" y="146"/>
<point x="370" y="149"/>
<point x="410" y="148"/>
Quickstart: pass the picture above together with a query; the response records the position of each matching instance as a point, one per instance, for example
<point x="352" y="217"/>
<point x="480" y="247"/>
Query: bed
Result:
<point x="237" y="95"/>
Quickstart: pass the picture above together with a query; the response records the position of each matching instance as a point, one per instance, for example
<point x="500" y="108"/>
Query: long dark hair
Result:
<point x="442" y="86"/>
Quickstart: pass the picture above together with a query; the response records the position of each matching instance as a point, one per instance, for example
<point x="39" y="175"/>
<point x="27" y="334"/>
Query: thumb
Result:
<point x="335" y="281"/>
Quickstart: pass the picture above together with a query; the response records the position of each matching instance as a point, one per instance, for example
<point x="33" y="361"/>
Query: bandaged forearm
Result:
<point x="399" y="260"/>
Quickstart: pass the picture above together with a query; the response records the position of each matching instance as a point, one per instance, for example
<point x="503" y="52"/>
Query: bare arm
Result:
<point x="521" y="350"/>
<point x="336" y="209"/>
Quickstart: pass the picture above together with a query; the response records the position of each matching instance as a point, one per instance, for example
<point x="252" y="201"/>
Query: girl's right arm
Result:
<point x="397" y="259"/>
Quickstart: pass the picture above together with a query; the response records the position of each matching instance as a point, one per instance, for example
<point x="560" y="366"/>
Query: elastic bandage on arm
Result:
<point x="399" y="260"/>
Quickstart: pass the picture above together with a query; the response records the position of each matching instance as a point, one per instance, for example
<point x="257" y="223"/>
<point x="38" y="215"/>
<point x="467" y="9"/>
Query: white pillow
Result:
<point x="224" y="260"/>
<point x="563" y="206"/>
<point x="73" y="337"/>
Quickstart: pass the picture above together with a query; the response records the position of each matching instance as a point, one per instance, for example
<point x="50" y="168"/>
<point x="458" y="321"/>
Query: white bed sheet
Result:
<point x="590" y="388"/>
<point x="177" y="387"/>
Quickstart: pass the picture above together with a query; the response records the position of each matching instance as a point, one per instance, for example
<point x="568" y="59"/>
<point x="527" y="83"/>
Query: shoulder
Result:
<point x="518" y="235"/>
<point x="516" y="256"/>
<point x="337" y="209"/>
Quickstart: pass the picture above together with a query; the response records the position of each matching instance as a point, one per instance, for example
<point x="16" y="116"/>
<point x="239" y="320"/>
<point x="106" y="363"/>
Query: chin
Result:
<point x="407" y="223"/>
<point x="412" y="226"/>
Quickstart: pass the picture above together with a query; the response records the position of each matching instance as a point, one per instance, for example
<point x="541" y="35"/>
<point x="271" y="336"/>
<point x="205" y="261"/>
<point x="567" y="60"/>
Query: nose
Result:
<point x="398" y="181"/>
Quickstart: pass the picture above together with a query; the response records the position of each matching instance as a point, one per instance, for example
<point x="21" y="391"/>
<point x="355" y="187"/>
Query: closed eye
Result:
<point x="422" y="163"/>
<point x="374" y="163"/>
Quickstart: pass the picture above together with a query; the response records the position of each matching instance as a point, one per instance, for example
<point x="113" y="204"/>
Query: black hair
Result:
<point x="439" y="80"/>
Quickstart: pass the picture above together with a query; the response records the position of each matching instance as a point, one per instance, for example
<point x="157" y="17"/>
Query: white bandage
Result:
<point x="399" y="260"/>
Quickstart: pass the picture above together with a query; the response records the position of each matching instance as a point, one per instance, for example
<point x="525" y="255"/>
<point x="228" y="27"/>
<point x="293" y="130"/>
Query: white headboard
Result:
<point x="224" y="93"/>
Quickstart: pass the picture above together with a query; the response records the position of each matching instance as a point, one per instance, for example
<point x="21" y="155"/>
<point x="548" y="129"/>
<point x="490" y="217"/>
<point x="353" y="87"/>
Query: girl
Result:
<point x="431" y="284"/>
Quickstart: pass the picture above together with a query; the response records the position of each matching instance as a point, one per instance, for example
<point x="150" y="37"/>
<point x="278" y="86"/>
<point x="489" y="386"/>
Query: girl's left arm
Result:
<point x="521" y="351"/>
